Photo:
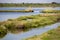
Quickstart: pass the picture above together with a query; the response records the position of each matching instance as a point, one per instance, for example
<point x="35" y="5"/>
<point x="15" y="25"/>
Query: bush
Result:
<point x="3" y="31"/>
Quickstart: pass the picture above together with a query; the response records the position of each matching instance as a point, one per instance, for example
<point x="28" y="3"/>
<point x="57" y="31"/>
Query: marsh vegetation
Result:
<point x="16" y="11"/>
<point x="26" y="23"/>
<point x="3" y="31"/>
<point x="50" y="11"/>
<point x="53" y="4"/>
<point x="50" y="35"/>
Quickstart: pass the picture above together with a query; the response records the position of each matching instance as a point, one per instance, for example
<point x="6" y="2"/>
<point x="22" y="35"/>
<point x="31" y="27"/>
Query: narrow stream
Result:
<point x="36" y="31"/>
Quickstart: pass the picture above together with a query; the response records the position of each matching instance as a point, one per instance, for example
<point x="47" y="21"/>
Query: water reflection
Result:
<point x="11" y="15"/>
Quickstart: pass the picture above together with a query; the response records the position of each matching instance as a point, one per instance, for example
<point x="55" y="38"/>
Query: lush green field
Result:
<point x="30" y="5"/>
<point x="25" y="23"/>
<point x="50" y="35"/>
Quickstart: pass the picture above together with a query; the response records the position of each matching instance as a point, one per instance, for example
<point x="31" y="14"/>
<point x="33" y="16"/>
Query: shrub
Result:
<point x="3" y="31"/>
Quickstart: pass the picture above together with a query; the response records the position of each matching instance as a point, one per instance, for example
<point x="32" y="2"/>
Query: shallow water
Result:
<point x="30" y="33"/>
<point x="11" y="15"/>
<point x="37" y="31"/>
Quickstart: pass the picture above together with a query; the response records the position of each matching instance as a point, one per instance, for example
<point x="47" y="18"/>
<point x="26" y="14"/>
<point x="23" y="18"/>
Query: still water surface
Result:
<point x="30" y="33"/>
<point x="7" y="15"/>
<point x="11" y="15"/>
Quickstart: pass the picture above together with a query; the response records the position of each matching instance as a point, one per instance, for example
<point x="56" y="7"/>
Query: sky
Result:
<point x="29" y="1"/>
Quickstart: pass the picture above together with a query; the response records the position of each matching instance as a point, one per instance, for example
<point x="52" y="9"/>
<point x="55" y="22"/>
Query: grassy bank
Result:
<point x="16" y="10"/>
<point x="26" y="23"/>
<point x="29" y="4"/>
<point x="51" y="11"/>
<point x="50" y="35"/>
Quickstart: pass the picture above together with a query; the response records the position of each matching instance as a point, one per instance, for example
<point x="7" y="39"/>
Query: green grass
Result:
<point x="3" y="31"/>
<point x="29" y="5"/>
<point x="32" y="21"/>
<point x="50" y="35"/>
<point x="26" y="23"/>
<point x="16" y="10"/>
<point x="51" y="11"/>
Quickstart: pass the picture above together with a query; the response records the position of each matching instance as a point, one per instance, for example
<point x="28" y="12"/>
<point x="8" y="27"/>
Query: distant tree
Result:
<point x="54" y="3"/>
<point x="23" y="3"/>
